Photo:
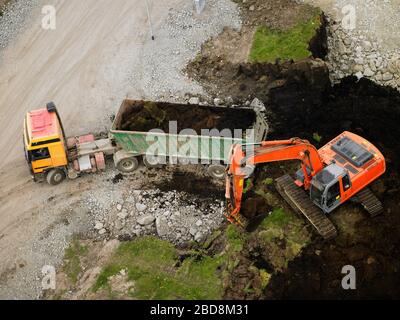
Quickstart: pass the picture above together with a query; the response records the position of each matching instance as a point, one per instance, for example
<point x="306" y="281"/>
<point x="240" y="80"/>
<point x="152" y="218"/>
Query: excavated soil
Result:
<point x="144" y="116"/>
<point x="193" y="184"/>
<point x="301" y="102"/>
<point x="373" y="112"/>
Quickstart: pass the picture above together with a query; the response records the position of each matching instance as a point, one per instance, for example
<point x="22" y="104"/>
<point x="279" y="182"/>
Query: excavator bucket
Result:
<point x="233" y="216"/>
<point x="231" y="213"/>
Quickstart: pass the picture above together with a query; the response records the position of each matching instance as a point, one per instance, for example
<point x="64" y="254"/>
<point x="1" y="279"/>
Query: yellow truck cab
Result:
<point x="44" y="145"/>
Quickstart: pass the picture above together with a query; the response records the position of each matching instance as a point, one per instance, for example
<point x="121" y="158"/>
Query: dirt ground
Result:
<point x="85" y="67"/>
<point x="68" y="72"/>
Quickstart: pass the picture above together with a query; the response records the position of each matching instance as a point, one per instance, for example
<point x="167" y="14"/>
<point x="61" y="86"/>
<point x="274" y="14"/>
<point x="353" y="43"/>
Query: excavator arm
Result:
<point x="242" y="163"/>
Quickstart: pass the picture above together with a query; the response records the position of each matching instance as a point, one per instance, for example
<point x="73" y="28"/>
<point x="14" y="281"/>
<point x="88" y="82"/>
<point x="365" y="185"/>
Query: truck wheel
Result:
<point x="128" y="165"/>
<point x="217" y="171"/>
<point x="149" y="163"/>
<point x="55" y="177"/>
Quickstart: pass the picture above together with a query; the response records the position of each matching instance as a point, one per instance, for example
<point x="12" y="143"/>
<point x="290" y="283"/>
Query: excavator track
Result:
<point x="302" y="204"/>
<point x="370" y="202"/>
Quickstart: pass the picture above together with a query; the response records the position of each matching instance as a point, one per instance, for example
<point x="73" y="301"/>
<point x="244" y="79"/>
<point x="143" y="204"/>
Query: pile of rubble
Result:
<point x="173" y="215"/>
<point x="177" y="41"/>
<point x="352" y="53"/>
<point x="14" y="19"/>
<point x="363" y="39"/>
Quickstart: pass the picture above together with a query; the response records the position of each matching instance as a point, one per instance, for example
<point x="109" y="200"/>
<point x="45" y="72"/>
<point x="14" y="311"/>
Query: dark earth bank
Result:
<point x="301" y="109"/>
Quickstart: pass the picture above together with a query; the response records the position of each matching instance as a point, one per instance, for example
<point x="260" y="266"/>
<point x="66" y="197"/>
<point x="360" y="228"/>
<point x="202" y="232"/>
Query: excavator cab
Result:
<point x="44" y="145"/>
<point x="328" y="187"/>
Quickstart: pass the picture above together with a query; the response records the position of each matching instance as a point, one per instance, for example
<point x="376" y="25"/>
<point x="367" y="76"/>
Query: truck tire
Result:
<point x="55" y="177"/>
<point x="127" y="165"/>
<point x="217" y="171"/>
<point x="149" y="163"/>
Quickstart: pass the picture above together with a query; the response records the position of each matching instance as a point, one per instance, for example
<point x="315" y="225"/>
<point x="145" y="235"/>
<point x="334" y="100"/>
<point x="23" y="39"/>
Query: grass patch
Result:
<point x="151" y="264"/>
<point x="277" y="219"/>
<point x="73" y="255"/>
<point x="268" y="181"/>
<point x="247" y="186"/>
<point x="269" y="45"/>
<point x="235" y="237"/>
<point x="265" y="278"/>
<point x="317" y="137"/>
<point x="283" y="236"/>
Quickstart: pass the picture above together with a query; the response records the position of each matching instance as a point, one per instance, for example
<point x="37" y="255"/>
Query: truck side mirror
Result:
<point x="51" y="107"/>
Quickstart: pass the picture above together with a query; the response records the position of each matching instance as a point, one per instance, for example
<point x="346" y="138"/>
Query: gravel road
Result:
<point x="100" y="53"/>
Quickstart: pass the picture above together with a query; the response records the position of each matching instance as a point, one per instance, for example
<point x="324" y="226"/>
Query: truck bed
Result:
<point x="140" y="124"/>
<point x="136" y="115"/>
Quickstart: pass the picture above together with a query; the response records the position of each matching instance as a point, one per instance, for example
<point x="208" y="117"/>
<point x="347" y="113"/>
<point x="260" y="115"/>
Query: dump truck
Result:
<point x="156" y="133"/>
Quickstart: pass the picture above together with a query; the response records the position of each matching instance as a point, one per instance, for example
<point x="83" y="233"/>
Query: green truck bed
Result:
<point x="144" y="128"/>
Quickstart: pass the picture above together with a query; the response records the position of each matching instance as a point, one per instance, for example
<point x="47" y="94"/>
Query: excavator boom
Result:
<point x="269" y="151"/>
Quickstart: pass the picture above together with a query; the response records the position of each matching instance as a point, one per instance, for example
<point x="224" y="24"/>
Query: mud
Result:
<point x="241" y="81"/>
<point x="319" y="44"/>
<point x="144" y="116"/>
<point x="117" y="178"/>
<point x="193" y="184"/>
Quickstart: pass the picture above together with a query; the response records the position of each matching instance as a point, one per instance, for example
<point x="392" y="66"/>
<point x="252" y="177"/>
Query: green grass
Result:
<point x="268" y="181"/>
<point x="151" y="265"/>
<point x="283" y="236"/>
<point x="235" y="238"/>
<point x="247" y="186"/>
<point x="317" y="137"/>
<point x="277" y="219"/>
<point x="73" y="255"/>
<point x="265" y="278"/>
<point x="268" y="44"/>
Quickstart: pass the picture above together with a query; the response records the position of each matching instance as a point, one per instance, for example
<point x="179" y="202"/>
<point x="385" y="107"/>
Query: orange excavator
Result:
<point x="328" y="177"/>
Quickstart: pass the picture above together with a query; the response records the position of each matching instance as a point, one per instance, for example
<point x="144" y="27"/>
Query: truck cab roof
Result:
<point x="42" y="125"/>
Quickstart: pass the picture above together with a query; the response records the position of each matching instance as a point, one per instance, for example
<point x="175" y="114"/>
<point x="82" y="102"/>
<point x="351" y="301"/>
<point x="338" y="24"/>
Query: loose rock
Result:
<point x="141" y="207"/>
<point x="162" y="226"/>
<point x="146" y="220"/>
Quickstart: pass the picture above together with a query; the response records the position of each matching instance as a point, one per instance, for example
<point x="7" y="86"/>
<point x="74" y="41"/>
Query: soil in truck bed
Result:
<point x="144" y="116"/>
